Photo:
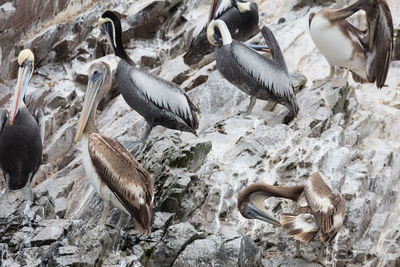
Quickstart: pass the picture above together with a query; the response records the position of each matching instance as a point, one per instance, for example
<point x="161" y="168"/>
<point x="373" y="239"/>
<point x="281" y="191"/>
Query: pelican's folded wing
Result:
<point x="124" y="176"/>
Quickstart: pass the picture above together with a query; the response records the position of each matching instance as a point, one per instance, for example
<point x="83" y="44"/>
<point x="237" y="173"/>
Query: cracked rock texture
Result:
<point x="349" y="134"/>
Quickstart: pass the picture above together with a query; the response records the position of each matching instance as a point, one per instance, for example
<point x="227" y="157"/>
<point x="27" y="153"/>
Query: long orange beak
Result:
<point x="24" y="75"/>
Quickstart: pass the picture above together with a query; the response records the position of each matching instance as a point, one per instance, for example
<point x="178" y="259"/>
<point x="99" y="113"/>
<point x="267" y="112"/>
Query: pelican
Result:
<point x="240" y="16"/>
<point x="160" y="102"/>
<point x="367" y="54"/>
<point x="21" y="135"/>
<point x="324" y="213"/>
<point x="380" y="41"/>
<point x="254" y="74"/>
<point x="114" y="173"/>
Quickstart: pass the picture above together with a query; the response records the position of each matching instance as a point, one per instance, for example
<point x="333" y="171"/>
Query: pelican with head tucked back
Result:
<point x="254" y="74"/>
<point x="241" y="18"/>
<point x="367" y="54"/>
<point x="160" y="102"/>
<point x="115" y="174"/>
<point x="324" y="213"/>
<point x="21" y="135"/>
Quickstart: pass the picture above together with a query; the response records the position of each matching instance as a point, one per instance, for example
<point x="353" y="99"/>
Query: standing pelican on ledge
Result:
<point x="115" y="174"/>
<point x="21" y="134"/>
<point x="324" y="213"/>
<point x="366" y="54"/>
<point x="160" y="102"/>
<point x="251" y="72"/>
<point x="240" y="16"/>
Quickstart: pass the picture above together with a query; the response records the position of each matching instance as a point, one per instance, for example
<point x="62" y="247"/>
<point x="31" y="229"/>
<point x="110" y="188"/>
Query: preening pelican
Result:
<point x="240" y="16"/>
<point x="160" y="102"/>
<point x="366" y="54"/>
<point x="21" y="134"/>
<point x="251" y="72"/>
<point x="115" y="174"/>
<point x="324" y="214"/>
<point x="380" y="41"/>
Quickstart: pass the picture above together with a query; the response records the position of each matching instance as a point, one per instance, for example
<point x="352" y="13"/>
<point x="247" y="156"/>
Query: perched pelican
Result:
<point x="21" y="134"/>
<point x="324" y="213"/>
<point x="114" y="173"/>
<point x="160" y="102"/>
<point x="366" y="54"/>
<point x="380" y="41"/>
<point x="251" y="72"/>
<point x="240" y="16"/>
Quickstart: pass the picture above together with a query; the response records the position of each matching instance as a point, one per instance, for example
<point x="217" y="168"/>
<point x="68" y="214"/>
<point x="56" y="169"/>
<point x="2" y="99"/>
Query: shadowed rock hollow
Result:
<point x="348" y="134"/>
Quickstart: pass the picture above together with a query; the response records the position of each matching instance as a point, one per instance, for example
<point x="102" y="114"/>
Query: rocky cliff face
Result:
<point x="348" y="134"/>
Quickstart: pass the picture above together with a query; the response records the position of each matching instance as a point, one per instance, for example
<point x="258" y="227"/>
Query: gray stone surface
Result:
<point x="47" y="235"/>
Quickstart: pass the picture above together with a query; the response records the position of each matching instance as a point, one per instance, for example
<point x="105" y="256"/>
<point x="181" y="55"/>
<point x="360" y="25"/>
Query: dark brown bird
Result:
<point x="324" y="213"/>
<point x="115" y="174"/>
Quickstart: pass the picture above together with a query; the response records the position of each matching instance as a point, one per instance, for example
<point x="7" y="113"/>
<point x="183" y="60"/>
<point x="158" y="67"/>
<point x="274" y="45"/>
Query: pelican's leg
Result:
<point x="341" y="81"/>
<point x="346" y="76"/>
<point x="332" y="72"/>
<point x="7" y="177"/>
<point x="7" y="189"/>
<point x="106" y="209"/>
<point x="253" y="100"/>
<point x="27" y="190"/>
<point x="319" y="83"/>
<point x="131" y="145"/>
<point x="298" y="250"/>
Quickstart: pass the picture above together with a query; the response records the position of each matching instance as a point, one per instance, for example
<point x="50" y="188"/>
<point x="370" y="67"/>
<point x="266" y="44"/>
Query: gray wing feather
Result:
<point x="263" y="70"/>
<point x="162" y="93"/>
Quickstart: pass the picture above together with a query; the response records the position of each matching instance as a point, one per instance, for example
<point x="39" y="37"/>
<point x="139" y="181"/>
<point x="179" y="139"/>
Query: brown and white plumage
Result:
<point x="115" y="174"/>
<point x="380" y="40"/>
<point x="367" y="54"/>
<point x="125" y="177"/>
<point x="324" y="213"/>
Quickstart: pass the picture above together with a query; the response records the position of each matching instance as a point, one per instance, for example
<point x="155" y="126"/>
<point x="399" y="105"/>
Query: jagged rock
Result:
<point x="47" y="235"/>
<point x="161" y="220"/>
<point x="146" y="22"/>
<point x="60" y="206"/>
<point x="250" y="255"/>
<point x="59" y="185"/>
<point x="177" y="237"/>
<point x="192" y="158"/>
<point x="298" y="80"/>
<point x="199" y="253"/>
<point x="68" y="250"/>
